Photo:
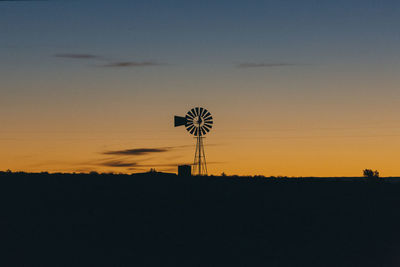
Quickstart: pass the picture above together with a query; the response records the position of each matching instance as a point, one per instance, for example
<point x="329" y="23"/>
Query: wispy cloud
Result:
<point x="137" y="151"/>
<point x="142" y="151"/>
<point x="108" y="63"/>
<point x="133" y="165"/>
<point x="123" y="158"/>
<point x="124" y="64"/>
<point x="117" y="163"/>
<point x="265" y="64"/>
<point x="77" y="56"/>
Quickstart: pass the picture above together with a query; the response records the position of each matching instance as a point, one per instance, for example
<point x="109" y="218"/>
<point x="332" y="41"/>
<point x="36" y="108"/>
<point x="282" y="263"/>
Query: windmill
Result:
<point x="198" y="122"/>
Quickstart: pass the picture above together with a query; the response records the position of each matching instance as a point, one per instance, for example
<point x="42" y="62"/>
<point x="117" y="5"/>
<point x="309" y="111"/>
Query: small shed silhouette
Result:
<point x="184" y="170"/>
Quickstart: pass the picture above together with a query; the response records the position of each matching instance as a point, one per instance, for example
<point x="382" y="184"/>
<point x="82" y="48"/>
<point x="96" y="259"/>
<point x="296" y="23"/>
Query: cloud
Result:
<point x="123" y="159"/>
<point x="142" y="151"/>
<point x="117" y="163"/>
<point x="124" y="64"/>
<point x="77" y="56"/>
<point x="137" y="151"/>
<point x="120" y="163"/>
<point x="108" y="63"/>
<point x="265" y="65"/>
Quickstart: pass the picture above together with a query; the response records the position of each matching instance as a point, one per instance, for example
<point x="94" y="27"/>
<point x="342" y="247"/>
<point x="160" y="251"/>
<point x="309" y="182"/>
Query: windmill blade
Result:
<point x="190" y="113"/>
<point x="207" y="114"/>
<point x="197" y="111"/>
<point x="179" y="121"/>
<point x="192" y="131"/>
<point x="188" y="121"/>
<point x="209" y="118"/>
<point x="189" y="116"/>
<point x="193" y="112"/>
<point x="190" y="127"/>
<point x="201" y="112"/>
<point x="208" y="125"/>
<point x="203" y="131"/>
<point x="205" y="128"/>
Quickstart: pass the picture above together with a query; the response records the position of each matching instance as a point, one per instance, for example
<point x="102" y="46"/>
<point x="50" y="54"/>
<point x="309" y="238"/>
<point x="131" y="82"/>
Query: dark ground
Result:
<point x="165" y="220"/>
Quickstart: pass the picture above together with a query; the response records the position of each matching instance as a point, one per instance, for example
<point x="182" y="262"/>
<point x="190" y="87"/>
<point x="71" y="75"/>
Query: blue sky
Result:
<point x="206" y="31"/>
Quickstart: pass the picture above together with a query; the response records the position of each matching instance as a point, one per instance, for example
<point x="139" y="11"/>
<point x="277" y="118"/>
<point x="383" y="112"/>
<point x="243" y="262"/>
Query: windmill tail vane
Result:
<point x="198" y="122"/>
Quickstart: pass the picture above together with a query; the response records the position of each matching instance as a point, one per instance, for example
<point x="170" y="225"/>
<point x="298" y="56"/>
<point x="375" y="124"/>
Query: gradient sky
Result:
<point x="296" y="88"/>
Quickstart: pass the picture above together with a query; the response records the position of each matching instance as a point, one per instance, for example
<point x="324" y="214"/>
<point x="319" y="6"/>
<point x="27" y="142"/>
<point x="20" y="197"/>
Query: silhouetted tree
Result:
<point x="368" y="173"/>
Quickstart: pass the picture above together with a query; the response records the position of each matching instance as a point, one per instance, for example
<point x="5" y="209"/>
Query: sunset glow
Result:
<point x="291" y="94"/>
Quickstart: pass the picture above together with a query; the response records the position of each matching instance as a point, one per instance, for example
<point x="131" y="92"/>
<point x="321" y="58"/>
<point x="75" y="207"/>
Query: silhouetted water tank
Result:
<point x="184" y="170"/>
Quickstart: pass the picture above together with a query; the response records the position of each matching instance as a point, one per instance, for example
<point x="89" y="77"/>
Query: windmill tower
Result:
<point x="198" y="122"/>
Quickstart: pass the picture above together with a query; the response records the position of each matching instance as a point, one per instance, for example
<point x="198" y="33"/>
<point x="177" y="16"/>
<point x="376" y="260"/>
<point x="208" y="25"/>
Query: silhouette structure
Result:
<point x="198" y="121"/>
<point x="184" y="170"/>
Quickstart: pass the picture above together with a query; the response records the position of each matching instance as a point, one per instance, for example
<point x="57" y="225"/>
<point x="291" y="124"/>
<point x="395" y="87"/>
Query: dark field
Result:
<point x="165" y="220"/>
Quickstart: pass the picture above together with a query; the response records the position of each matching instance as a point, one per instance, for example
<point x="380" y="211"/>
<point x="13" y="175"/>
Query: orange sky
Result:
<point x="290" y="141"/>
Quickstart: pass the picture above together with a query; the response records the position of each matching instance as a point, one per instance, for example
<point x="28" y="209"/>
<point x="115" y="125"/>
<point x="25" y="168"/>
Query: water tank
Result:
<point x="184" y="170"/>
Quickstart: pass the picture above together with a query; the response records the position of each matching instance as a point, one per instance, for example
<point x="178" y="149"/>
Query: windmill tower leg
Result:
<point x="200" y="166"/>
<point x="197" y="161"/>
<point x="204" y="164"/>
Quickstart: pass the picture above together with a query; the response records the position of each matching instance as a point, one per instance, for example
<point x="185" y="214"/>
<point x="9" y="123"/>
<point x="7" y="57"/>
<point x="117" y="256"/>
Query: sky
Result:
<point x="296" y="88"/>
